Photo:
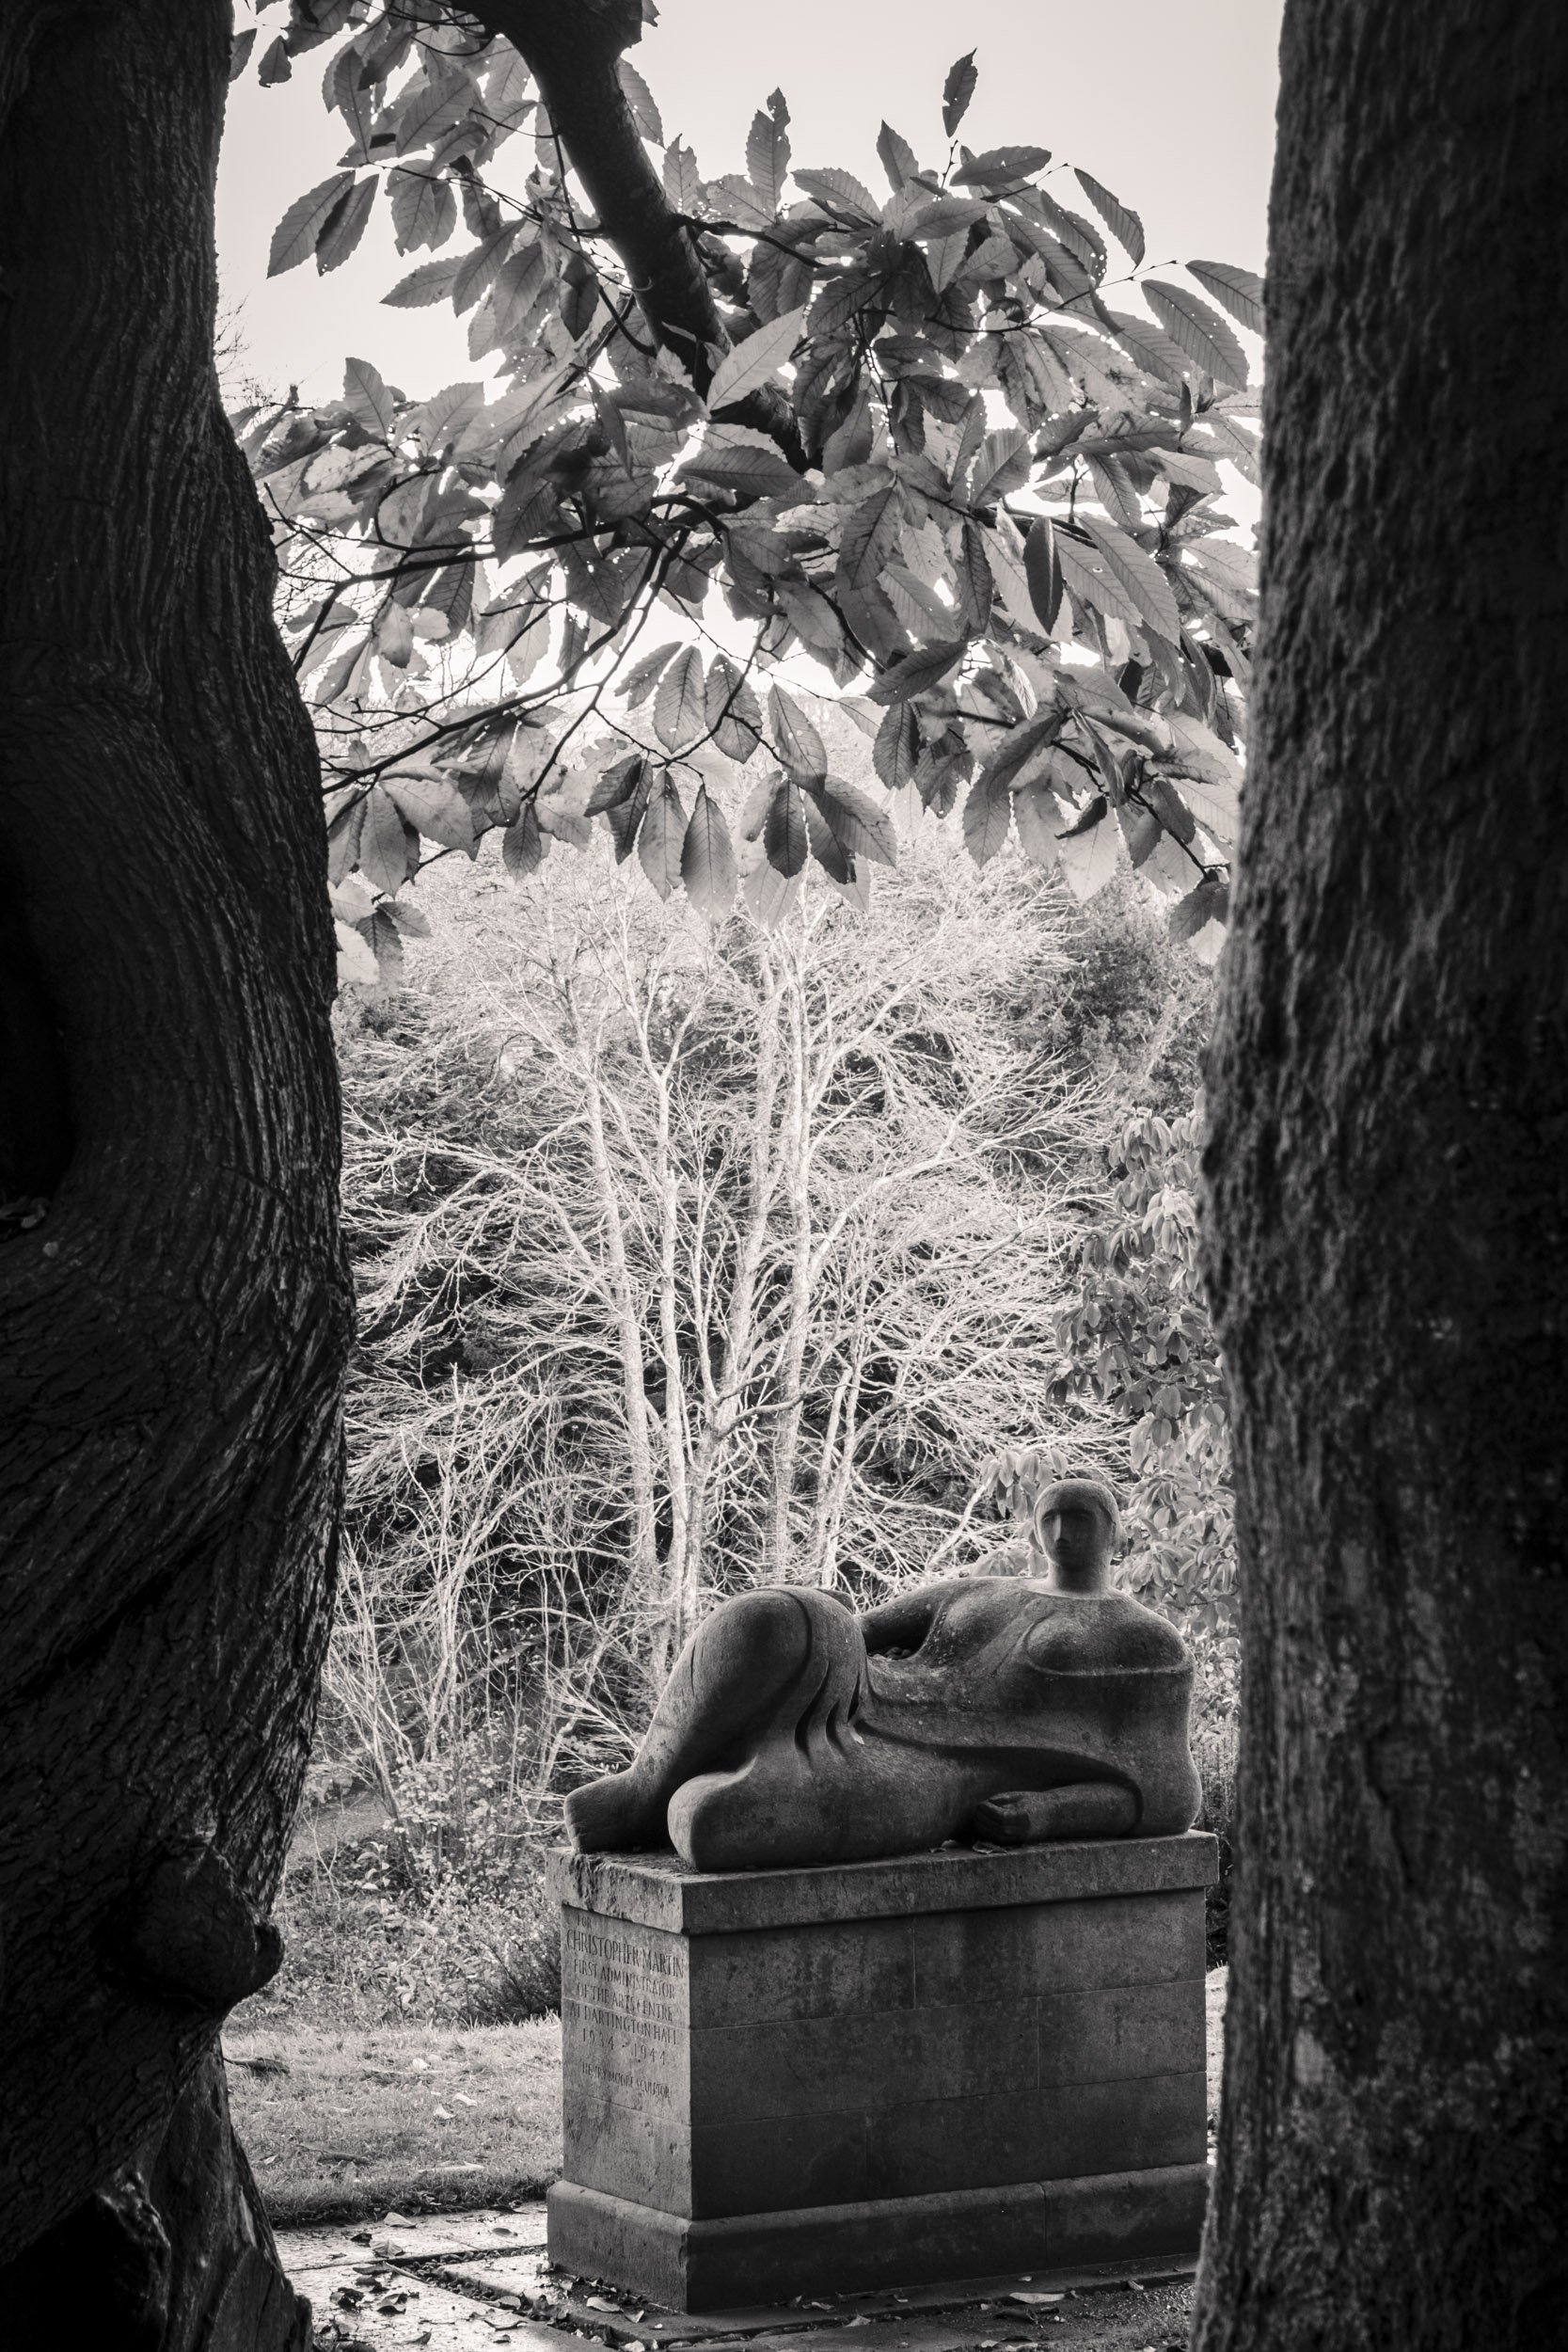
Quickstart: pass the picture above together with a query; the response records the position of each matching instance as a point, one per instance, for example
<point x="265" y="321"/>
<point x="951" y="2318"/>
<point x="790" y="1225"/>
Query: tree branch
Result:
<point x="572" y="48"/>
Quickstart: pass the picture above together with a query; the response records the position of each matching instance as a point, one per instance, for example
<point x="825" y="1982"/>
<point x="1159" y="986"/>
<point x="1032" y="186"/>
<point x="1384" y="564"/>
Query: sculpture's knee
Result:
<point x="759" y="1639"/>
<point x="768" y="1654"/>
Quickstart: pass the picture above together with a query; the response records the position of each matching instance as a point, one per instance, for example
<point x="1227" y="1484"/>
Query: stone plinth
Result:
<point x="792" y="2082"/>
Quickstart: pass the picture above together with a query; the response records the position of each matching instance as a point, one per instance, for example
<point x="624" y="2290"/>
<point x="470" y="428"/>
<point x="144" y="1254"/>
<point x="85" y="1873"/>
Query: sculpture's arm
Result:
<point x="899" y="1625"/>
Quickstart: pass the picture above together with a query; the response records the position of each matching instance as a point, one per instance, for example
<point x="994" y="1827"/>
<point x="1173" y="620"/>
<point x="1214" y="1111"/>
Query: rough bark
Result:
<point x="1389" y="1169"/>
<point x="172" y="1333"/>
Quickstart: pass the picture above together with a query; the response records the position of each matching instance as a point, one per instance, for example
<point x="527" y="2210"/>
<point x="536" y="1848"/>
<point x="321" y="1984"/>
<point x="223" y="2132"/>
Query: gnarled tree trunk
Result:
<point x="1389" y="1212"/>
<point x="173" y="1326"/>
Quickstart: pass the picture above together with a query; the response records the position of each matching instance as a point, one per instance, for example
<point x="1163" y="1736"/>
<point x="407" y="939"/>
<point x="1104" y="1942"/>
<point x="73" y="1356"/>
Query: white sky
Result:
<point x="1172" y="109"/>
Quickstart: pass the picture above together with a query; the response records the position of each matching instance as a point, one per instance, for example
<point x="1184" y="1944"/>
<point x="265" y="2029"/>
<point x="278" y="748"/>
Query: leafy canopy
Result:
<point x="920" y="467"/>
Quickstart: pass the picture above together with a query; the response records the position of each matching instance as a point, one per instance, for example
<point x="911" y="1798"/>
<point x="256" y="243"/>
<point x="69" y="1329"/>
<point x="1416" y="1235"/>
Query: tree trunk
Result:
<point x="1388" y="1168"/>
<point x="175" y="1323"/>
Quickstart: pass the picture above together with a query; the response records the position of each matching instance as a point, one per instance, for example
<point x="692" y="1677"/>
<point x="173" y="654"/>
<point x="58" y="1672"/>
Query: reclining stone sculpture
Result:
<point x="1011" y="1708"/>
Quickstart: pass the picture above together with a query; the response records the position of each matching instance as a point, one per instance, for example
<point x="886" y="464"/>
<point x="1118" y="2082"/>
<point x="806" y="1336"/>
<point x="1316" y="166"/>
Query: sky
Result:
<point x="1171" y="108"/>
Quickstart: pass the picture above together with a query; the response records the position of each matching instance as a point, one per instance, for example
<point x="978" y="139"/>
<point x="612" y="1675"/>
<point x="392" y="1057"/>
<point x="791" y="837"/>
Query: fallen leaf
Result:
<point x="1018" y="2297"/>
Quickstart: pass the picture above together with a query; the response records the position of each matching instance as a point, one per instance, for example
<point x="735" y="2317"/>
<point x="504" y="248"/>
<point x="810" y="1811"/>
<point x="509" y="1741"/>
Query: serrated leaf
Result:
<point x="662" y="838"/>
<point x="277" y="65"/>
<point x="707" y="858"/>
<point x="1216" y="807"/>
<point x="1151" y="347"/>
<point x="1201" y="333"/>
<point x="1192" y="916"/>
<point x="356" y="963"/>
<point x="443" y="418"/>
<point x="240" y="47"/>
<point x="639" y="98"/>
<point x="478" y="269"/>
<point x="944" y="216"/>
<point x="733" y="197"/>
<point x="1089" y="854"/>
<point x="524" y="844"/>
<point x="826" y="848"/>
<point x="1043" y="572"/>
<point x="432" y="282"/>
<point x="351" y="902"/>
<point x="345" y="226"/>
<point x="624" y="817"/>
<point x="857" y="824"/>
<point x="434" y="806"/>
<point x="333" y="681"/>
<point x="385" y="942"/>
<point x="678" y="704"/>
<point x="1038" y="815"/>
<point x="1004" y="553"/>
<point x="1093" y="581"/>
<point x="767" y="153"/>
<point x="974" y="583"/>
<point x="730" y="710"/>
<point x="296" y="235"/>
<point x="988" y="817"/>
<point x="769" y="895"/>
<point x="1122" y="223"/>
<point x="869" y="539"/>
<point x="388" y="850"/>
<point x="896" y="750"/>
<point x="751" y="363"/>
<point x="428" y="106"/>
<point x="1227" y="574"/>
<point x="841" y="193"/>
<point x="1198" y="750"/>
<point x="367" y="398"/>
<point x="914" y="672"/>
<point x="795" y="738"/>
<point x="1186" y="467"/>
<point x="1000" y="166"/>
<point x="749" y="472"/>
<point x="683" y="182"/>
<point x="617" y="785"/>
<point x="784" y="834"/>
<point x="424" y="209"/>
<point x="1002" y="466"/>
<point x="1146" y="586"/>
<point x="1023" y="746"/>
<point x="958" y="90"/>
<point x="897" y="157"/>
<point x="412" y="921"/>
<point x="1239" y="291"/>
<point x="638" y="679"/>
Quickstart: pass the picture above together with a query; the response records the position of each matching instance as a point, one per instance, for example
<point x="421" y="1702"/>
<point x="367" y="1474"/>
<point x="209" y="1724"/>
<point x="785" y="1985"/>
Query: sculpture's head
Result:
<point x="1077" y="1525"/>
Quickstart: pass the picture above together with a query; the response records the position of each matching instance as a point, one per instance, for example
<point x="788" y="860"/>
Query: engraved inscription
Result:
<point x="623" y="2010"/>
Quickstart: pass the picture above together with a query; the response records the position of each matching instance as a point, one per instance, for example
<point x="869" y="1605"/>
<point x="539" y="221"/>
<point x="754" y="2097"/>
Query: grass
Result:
<point x="341" y="2123"/>
<point x="344" y="2123"/>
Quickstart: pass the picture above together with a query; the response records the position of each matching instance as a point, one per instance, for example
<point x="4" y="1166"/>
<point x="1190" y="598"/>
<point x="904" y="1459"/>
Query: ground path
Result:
<point x="454" y="2282"/>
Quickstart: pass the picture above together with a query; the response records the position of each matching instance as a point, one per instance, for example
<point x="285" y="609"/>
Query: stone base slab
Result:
<point x="710" y="2266"/>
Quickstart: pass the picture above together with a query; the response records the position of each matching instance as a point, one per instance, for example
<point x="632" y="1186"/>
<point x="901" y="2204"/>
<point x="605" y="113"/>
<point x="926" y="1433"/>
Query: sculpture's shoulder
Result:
<point x="1103" y="1634"/>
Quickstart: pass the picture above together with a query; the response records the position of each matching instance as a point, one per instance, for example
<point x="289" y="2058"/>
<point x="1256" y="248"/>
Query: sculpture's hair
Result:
<point x="1077" y="1494"/>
